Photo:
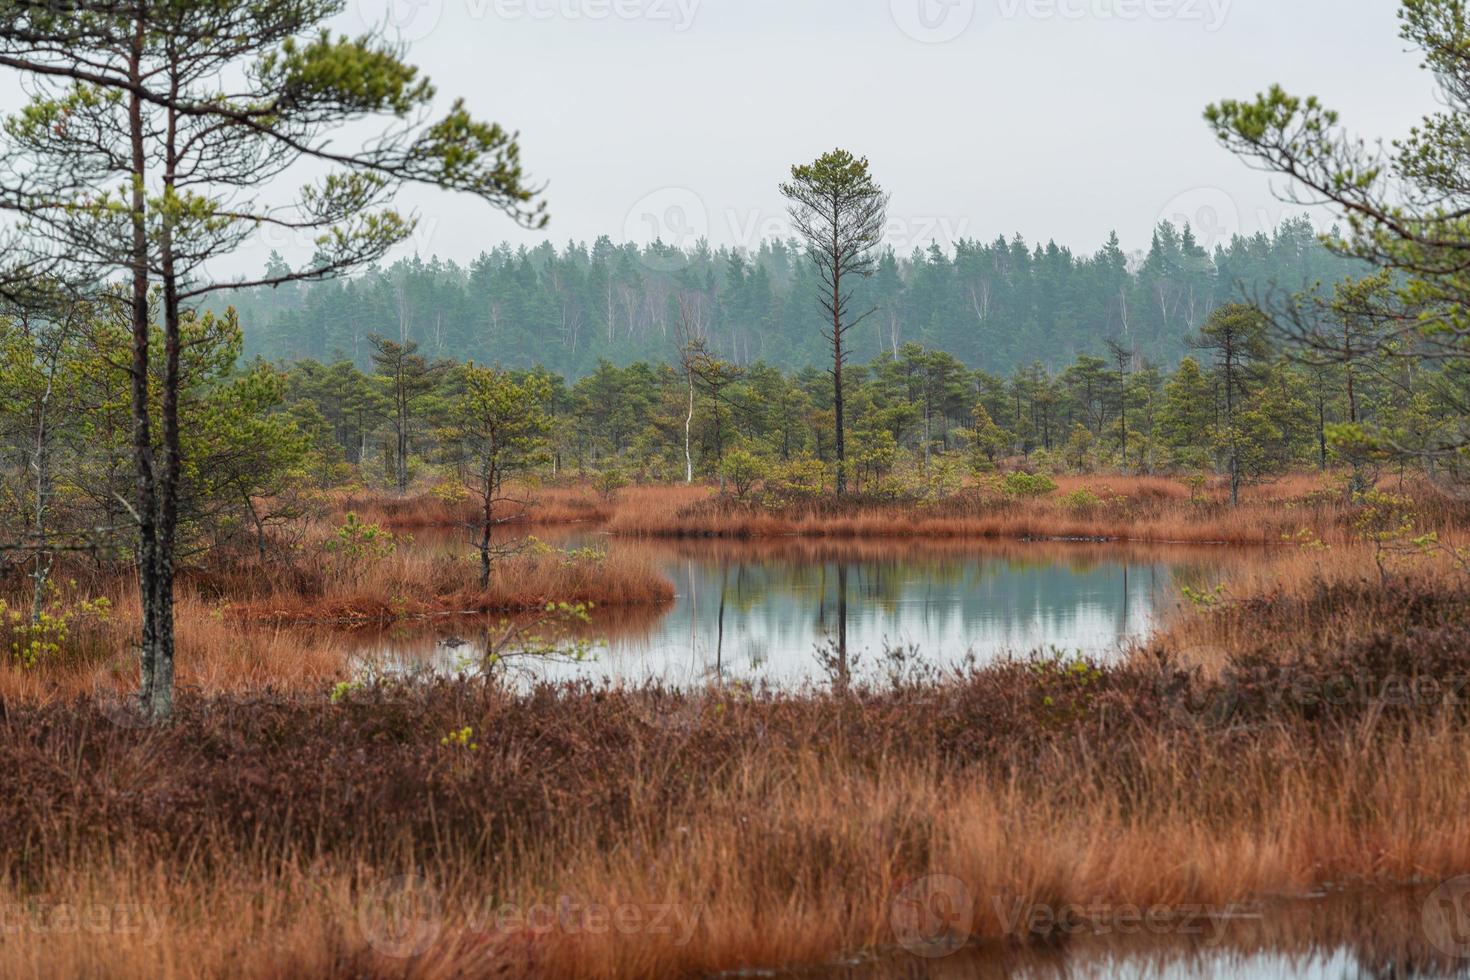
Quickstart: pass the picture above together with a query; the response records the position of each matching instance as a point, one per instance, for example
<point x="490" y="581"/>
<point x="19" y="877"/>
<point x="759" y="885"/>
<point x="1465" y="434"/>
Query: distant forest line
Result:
<point x="995" y="306"/>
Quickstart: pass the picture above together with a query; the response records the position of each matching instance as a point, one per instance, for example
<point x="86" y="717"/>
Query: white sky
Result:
<point x="1057" y="119"/>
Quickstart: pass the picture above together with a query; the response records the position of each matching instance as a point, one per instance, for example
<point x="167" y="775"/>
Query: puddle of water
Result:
<point x="762" y="611"/>
<point x="1387" y="934"/>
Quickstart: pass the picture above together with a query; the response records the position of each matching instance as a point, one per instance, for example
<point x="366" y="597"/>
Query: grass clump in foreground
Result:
<point x="263" y="836"/>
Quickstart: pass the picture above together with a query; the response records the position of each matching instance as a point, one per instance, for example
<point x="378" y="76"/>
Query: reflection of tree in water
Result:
<point x="975" y="601"/>
<point x="748" y="608"/>
<point x="833" y="656"/>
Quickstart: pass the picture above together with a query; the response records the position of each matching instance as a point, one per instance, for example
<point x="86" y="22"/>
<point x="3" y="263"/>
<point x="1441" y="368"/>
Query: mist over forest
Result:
<point x="996" y="306"/>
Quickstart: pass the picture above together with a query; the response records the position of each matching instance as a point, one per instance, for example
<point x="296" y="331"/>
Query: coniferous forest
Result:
<point x="994" y="306"/>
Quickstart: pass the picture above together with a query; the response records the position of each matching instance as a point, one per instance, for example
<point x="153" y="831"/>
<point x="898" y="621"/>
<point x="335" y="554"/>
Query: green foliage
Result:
<point x="1065" y="688"/>
<point x="1078" y="451"/>
<point x="945" y="476"/>
<point x="1027" y="485"/>
<point x="29" y="640"/>
<point x="1203" y="599"/>
<point x="987" y="440"/>
<point x="744" y="470"/>
<point x="608" y="482"/>
<point x="451" y="492"/>
<point x="1049" y="303"/>
<point x="357" y="543"/>
<point x="342" y="689"/>
<point x="1081" y="501"/>
<point x="1196" y="482"/>
<point x="497" y="427"/>
<point x="801" y="478"/>
<point x="1387" y="521"/>
<point x="1405" y="217"/>
<point x="1186" y="415"/>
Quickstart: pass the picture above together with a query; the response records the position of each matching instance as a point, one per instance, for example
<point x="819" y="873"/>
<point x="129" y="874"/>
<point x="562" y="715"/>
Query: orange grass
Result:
<point x="415" y="584"/>
<point x="527" y="507"/>
<point x="211" y="654"/>
<point x="1075" y="555"/>
<point x="1129" y="508"/>
<point x="789" y="859"/>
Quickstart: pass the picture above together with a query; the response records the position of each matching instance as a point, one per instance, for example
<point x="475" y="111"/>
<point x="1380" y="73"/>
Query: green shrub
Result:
<point x="801" y="478"/>
<point x="609" y="482"/>
<point x="1081" y="500"/>
<point x="743" y="469"/>
<point x="1031" y="485"/>
<point x="358" y="541"/>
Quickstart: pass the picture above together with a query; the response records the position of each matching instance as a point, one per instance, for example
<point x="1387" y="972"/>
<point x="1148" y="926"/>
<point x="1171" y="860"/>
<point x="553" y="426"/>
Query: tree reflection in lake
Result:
<point x="792" y="611"/>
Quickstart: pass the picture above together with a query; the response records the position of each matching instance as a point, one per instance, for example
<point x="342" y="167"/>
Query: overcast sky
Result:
<point x="1058" y="119"/>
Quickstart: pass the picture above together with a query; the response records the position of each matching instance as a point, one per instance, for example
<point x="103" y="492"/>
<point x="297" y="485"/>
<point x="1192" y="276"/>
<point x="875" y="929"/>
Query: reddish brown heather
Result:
<point x="1124" y="508"/>
<point x="781" y="825"/>
<point x="528" y="507"/>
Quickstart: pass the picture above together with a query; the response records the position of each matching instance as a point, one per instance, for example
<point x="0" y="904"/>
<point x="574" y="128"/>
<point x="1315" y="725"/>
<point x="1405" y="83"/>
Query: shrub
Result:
<point x="802" y="478"/>
<point x="451" y="492"/>
<point x="1078" y="451"/>
<point x="358" y="544"/>
<point x="609" y="482"/>
<point x="1019" y="484"/>
<point x="30" y="643"/>
<point x="743" y="469"/>
<point x="1081" y="501"/>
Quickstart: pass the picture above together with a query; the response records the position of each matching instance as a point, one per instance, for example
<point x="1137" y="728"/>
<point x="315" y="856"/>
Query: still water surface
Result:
<point x="1353" y="934"/>
<point x="762" y="612"/>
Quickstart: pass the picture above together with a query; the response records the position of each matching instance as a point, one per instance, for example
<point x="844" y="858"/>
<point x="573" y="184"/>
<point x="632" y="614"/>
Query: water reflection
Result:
<point x="1356" y="935"/>
<point x="788" y="612"/>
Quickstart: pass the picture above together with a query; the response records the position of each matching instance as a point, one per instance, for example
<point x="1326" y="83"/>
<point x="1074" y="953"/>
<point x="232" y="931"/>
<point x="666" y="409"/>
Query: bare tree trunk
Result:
<point x="928" y="438"/>
<point x="1234" y="435"/>
<point x="41" y="462"/>
<point x="487" y="524"/>
<point x="689" y="421"/>
<point x="161" y="702"/>
<point x="400" y="462"/>
<point x="259" y="523"/>
<point x="145" y="482"/>
<point x="837" y="383"/>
